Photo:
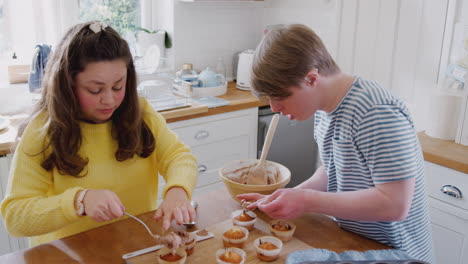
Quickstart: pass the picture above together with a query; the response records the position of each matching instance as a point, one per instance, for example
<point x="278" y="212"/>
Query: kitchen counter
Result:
<point x="107" y="244"/>
<point x="238" y="99"/>
<point x="442" y="152"/>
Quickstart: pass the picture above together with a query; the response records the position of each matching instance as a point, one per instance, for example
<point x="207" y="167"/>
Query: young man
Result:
<point x="372" y="178"/>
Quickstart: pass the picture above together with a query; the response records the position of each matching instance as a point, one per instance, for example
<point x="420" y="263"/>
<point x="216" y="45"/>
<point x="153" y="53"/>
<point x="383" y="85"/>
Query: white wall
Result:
<point x="399" y="43"/>
<point x="319" y="15"/>
<point x="204" y="31"/>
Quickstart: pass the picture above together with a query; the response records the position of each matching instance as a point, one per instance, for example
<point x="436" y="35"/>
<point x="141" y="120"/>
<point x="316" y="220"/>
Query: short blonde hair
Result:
<point x="285" y="56"/>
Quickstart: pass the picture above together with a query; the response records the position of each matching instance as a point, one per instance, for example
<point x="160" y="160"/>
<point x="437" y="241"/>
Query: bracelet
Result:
<point x="79" y="202"/>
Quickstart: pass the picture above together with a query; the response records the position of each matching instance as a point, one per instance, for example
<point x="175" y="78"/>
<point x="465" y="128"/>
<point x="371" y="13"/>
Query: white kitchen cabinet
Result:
<point x="449" y="215"/>
<point x="216" y="140"/>
<point x="7" y="243"/>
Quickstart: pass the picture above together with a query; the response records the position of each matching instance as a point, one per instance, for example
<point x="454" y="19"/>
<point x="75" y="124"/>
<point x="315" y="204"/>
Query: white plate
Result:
<point x="151" y="57"/>
<point x="4" y="123"/>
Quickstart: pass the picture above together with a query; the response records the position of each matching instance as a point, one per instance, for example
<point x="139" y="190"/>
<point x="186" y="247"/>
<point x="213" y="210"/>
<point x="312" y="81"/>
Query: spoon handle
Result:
<point x="268" y="139"/>
<point x="141" y="222"/>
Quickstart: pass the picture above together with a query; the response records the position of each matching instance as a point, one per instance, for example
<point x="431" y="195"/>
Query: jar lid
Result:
<point x="187" y="66"/>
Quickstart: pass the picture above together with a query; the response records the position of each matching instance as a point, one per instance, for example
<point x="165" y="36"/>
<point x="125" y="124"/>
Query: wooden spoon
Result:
<point x="258" y="175"/>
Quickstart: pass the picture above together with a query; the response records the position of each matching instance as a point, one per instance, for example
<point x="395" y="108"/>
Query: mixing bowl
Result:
<point x="233" y="171"/>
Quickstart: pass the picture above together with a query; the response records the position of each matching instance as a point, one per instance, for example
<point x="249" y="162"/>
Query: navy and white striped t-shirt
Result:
<point x="370" y="139"/>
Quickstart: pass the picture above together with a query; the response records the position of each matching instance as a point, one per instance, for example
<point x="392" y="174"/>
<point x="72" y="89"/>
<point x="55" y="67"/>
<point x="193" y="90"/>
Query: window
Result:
<point x="5" y="45"/>
<point x="123" y="15"/>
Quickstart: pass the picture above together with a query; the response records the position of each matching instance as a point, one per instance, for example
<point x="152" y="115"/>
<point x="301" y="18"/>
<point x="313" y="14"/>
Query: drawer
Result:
<point x="213" y="156"/>
<point x="214" y="131"/>
<point x="439" y="176"/>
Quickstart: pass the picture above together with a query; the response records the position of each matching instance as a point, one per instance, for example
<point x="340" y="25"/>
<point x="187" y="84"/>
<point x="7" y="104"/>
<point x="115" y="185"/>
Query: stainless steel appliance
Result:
<point x="293" y="145"/>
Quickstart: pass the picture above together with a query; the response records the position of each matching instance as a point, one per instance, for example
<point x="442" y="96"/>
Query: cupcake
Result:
<point x="166" y="256"/>
<point x="268" y="248"/>
<point x="244" y="218"/>
<point x="188" y="241"/>
<point x="230" y="256"/>
<point x="283" y="230"/>
<point x="235" y="237"/>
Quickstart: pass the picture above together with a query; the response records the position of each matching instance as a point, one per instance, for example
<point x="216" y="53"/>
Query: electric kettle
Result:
<point x="244" y="68"/>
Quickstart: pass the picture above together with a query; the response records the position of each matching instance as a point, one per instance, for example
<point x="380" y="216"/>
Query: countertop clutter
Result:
<point x="442" y="152"/>
<point x="107" y="244"/>
<point x="238" y="100"/>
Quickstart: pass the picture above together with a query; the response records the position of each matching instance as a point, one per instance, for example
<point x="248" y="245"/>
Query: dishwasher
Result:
<point x="293" y="145"/>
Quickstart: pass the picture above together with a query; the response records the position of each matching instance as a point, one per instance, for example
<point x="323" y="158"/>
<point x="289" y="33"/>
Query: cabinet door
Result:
<point x="449" y="215"/>
<point x="216" y="140"/>
<point x="450" y="240"/>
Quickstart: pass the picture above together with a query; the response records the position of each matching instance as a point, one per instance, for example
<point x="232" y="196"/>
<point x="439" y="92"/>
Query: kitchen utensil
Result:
<point x="157" y="247"/>
<point x="244" y="68"/>
<point x="258" y="175"/>
<point x="194" y="204"/>
<point x="143" y="223"/>
<point x="190" y="224"/>
<point x="209" y="78"/>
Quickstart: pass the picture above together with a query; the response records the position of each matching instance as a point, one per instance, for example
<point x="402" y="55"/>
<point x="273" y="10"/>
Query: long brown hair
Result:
<point x="78" y="47"/>
<point x="285" y="56"/>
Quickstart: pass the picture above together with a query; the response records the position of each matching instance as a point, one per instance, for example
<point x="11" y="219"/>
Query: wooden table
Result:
<point x="107" y="244"/>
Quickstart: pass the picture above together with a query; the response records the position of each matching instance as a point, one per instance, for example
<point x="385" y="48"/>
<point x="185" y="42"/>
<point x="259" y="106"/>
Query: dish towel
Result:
<point x="317" y="255"/>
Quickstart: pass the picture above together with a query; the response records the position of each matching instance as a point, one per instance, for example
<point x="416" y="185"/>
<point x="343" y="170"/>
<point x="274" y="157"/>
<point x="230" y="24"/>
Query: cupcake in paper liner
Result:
<point x="244" y="218"/>
<point x="268" y="248"/>
<point x="188" y="240"/>
<point x="230" y="256"/>
<point x="282" y="229"/>
<point x="167" y="257"/>
<point x="235" y="237"/>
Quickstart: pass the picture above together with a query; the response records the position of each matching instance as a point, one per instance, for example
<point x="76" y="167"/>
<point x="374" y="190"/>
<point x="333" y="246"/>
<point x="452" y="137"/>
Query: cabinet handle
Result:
<point x="202" y="168"/>
<point x="452" y="191"/>
<point x="202" y="134"/>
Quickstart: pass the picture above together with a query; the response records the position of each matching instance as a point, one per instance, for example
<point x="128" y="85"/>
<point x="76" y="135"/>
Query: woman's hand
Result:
<point x="282" y="204"/>
<point x="176" y="206"/>
<point x="102" y="205"/>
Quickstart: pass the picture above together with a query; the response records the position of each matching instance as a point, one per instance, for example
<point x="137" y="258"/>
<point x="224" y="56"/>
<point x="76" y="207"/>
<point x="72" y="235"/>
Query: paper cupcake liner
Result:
<point x="238" y="240"/>
<point x="283" y="235"/>
<point x="236" y="250"/>
<point x="179" y="251"/>
<point x="270" y="253"/>
<point x="245" y="224"/>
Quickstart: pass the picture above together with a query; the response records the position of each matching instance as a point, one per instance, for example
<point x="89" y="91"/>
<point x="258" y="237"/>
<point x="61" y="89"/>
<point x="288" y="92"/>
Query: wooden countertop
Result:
<point x="107" y="244"/>
<point x="444" y="152"/>
<point x="239" y="99"/>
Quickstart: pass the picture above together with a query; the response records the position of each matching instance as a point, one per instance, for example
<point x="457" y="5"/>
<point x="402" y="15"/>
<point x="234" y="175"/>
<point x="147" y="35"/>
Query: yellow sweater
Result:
<point x="40" y="204"/>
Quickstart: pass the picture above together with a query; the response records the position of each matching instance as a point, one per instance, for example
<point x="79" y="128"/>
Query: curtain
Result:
<point x="34" y="22"/>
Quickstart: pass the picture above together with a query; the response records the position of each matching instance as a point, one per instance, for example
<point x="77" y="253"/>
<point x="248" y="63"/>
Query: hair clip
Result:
<point x="97" y="26"/>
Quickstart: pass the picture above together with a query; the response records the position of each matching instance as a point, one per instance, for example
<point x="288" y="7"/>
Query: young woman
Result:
<point x="93" y="149"/>
<point x="372" y="178"/>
